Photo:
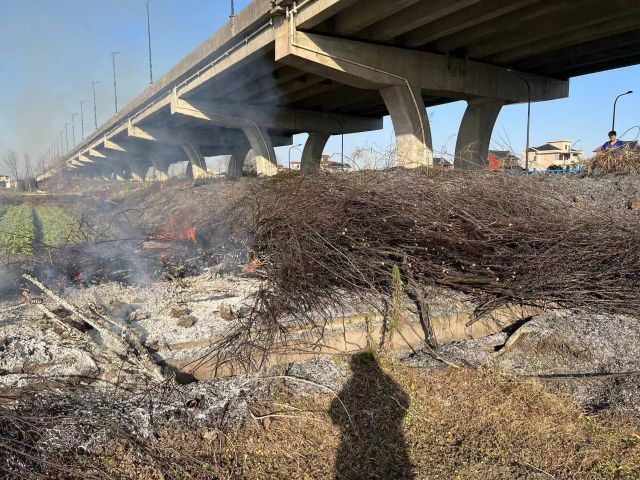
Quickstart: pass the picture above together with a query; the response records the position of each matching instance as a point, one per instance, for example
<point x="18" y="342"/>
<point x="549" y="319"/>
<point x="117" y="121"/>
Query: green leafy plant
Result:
<point x="59" y="227"/>
<point x="17" y="231"/>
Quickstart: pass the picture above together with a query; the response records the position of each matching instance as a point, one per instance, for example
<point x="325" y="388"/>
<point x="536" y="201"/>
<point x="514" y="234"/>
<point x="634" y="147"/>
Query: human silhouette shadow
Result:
<point x="372" y="438"/>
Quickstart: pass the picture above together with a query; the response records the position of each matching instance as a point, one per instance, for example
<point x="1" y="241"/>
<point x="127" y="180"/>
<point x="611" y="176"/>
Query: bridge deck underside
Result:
<point x="548" y="38"/>
<point x="552" y="38"/>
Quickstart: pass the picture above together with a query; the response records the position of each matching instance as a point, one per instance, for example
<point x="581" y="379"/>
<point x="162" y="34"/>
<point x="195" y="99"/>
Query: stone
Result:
<point x="226" y="312"/>
<point x="187" y="321"/>
<point x="177" y="312"/>
<point x="633" y="204"/>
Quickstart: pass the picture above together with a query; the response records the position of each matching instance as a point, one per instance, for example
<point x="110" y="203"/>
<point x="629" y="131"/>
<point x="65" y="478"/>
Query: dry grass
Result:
<point x="615" y="161"/>
<point x="402" y="423"/>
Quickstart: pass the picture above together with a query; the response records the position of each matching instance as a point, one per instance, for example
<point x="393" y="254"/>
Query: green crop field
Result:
<point x="17" y="231"/>
<point x="59" y="227"/>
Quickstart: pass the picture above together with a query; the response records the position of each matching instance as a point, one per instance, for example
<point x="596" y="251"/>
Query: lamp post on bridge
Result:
<point x="146" y="3"/>
<point x="613" y="121"/>
<point x="95" y="109"/>
<point x="82" y="117"/>
<point x="73" y="127"/>
<point x="526" y="152"/>
<point x="115" y="84"/>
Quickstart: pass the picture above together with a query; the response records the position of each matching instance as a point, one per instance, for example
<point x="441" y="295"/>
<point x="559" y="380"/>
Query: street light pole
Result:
<point x="73" y="127"/>
<point x="95" y="110"/>
<point x="526" y="154"/>
<point x="147" y="2"/>
<point x="291" y="148"/>
<point x="613" y="121"/>
<point x="115" y="85"/>
<point x="82" y="117"/>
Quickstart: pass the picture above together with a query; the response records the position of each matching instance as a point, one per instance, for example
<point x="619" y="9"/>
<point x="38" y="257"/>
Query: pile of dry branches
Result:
<point x="328" y="240"/>
<point x="625" y="160"/>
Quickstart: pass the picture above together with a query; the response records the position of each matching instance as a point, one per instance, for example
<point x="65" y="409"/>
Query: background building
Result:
<point x="500" y="160"/>
<point x="555" y="155"/>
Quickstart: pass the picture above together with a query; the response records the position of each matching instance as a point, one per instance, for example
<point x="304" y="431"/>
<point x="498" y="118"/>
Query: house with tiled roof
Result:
<point x="554" y="155"/>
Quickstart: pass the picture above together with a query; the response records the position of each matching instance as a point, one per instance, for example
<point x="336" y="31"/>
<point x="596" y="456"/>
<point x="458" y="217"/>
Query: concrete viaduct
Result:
<point x="329" y="67"/>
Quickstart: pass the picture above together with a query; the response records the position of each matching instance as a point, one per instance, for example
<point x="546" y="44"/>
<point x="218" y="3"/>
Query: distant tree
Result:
<point x="28" y="171"/>
<point x="10" y="161"/>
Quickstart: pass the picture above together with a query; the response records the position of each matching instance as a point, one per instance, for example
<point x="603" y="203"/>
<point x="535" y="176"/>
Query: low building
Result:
<point x="326" y="165"/>
<point x="6" y="182"/>
<point x="500" y="160"/>
<point x="442" y="163"/>
<point x="555" y="155"/>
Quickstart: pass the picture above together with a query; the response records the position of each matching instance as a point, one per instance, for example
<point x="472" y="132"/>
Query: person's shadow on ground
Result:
<point x="372" y="438"/>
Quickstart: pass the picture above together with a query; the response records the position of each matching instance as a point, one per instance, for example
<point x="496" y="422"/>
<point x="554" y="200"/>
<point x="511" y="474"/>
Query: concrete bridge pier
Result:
<point x="405" y="77"/>
<point x="411" y="125"/>
<point x="138" y="170"/>
<point x="472" y="145"/>
<point x="236" y="161"/>
<point x="197" y="167"/>
<point x="312" y="153"/>
<point x="160" y="168"/>
<point x="260" y="141"/>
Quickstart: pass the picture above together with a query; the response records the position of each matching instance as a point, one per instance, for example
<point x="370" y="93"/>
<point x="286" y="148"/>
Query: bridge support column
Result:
<point x="312" y="153"/>
<point x="411" y="125"/>
<point x="197" y="167"/>
<point x="260" y="141"/>
<point x="160" y="169"/>
<point x="236" y="162"/>
<point x="472" y="146"/>
<point x="138" y="171"/>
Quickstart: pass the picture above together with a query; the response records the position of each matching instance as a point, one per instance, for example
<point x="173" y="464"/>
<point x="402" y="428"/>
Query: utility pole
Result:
<point x="82" y="117"/>
<point x="61" y="143"/>
<point x="73" y="127"/>
<point x="147" y="2"/>
<point x="95" y="110"/>
<point x="526" y="152"/>
<point x="66" y="134"/>
<point x="115" y="85"/>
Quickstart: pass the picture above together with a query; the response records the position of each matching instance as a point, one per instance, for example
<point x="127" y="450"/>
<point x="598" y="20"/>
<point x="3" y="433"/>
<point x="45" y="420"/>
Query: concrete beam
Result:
<point x="277" y="118"/>
<point x="363" y="65"/>
<point x="355" y="18"/>
<point x="472" y="145"/>
<point x="111" y="145"/>
<point x="411" y="125"/>
<point x="95" y="153"/>
<point x="312" y="153"/>
<point x="420" y="14"/>
<point x="465" y="24"/>
<point x="592" y="13"/>
<point x="569" y="37"/>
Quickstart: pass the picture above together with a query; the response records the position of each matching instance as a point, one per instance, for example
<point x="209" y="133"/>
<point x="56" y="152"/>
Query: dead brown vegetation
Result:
<point x="328" y="241"/>
<point x="455" y="424"/>
<point x="625" y="160"/>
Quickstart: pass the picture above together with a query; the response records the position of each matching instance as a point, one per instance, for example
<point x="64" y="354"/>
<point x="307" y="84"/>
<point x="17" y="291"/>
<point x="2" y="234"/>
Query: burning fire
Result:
<point x="176" y="229"/>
